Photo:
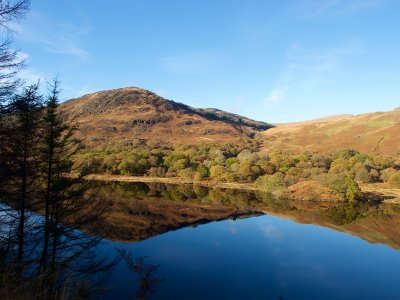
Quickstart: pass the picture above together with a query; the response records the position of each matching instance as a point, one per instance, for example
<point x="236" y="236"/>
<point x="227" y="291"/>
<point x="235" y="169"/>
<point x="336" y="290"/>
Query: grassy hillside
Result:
<point x="370" y="133"/>
<point x="133" y="115"/>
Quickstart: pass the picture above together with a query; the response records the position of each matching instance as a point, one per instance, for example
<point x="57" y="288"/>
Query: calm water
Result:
<point x="262" y="257"/>
<point x="184" y="242"/>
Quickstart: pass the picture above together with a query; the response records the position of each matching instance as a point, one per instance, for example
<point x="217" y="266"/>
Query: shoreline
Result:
<point x="173" y="180"/>
<point x="387" y="193"/>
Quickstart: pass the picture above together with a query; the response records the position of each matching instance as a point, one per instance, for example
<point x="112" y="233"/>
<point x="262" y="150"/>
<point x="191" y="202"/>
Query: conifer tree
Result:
<point x="57" y="149"/>
<point x="19" y="161"/>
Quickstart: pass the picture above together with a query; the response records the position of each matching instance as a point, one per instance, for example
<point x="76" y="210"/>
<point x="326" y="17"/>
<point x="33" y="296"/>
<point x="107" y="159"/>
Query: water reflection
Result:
<point x="138" y="211"/>
<point x="148" y="279"/>
<point x="129" y="264"/>
<point x="54" y="258"/>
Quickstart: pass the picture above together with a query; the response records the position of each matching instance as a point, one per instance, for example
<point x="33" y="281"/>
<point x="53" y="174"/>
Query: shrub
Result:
<point x="321" y="161"/>
<point x="344" y="186"/>
<point x="387" y="173"/>
<point x="344" y="154"/>
<point x="339" y="166"/>
<point x="218" y="173"/>
<point x="380" y="162"/>
<point x="273" y="184"/>
<point x="374" y="175"/>
<point x="187" y="173"/>
<point x="361" y="173"/>
<point x="267" y="167"/>
<point x="203" y="171"/>
<point x="395" y="179"/>
<point x="156" y="172"/>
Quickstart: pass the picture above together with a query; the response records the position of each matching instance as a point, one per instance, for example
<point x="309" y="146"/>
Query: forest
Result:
<point x="340" y="171"/>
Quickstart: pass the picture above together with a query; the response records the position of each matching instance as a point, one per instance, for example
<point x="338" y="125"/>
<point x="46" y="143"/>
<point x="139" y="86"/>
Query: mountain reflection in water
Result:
<point x="135" y="250"/>
<point x="137" y="211"/>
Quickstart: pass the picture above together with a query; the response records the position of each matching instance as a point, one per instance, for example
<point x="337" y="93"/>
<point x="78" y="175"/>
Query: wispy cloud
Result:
<point x="75" y="92"/>
<point x="317" y="8"/>
<point x="306" y="69"/>
<point x="233" y="230"/>
<point x="29" y="75"/>
<point x="32" y="76"/>
<point x="54" y="36"/>
<point x="192" y="62"/>
<point x="86" y="89"/>
<point x="278" y="93"/>
<point x="271" y="232"/>
<point x="310" y="9"/>
<point x="362" y="5"/>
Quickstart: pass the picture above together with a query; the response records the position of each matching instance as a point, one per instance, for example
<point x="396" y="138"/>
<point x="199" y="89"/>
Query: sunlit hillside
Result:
<point x="372" y="133"/>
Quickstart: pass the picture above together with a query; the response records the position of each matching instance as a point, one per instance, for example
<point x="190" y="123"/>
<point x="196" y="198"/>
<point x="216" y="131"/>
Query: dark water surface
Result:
<point x="189" y="242"/>
<point x="265" y="256"/>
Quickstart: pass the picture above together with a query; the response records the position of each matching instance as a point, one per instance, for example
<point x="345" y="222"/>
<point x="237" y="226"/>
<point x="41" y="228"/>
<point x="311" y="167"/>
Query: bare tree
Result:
<point x="11" y="11"/>
<point x="10" y="63"/>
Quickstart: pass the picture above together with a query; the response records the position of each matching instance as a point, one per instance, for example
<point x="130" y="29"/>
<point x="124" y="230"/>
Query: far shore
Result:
<point x="388" y="193"/>
<point x="173" y="180"/>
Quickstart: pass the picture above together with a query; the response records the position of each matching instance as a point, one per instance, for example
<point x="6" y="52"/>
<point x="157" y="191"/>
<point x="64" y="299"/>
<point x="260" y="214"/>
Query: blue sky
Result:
<point x="276" y="61"/>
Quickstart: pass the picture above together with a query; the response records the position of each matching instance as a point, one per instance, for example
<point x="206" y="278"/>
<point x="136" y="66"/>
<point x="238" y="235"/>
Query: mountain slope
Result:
<point x="127" y="115"/>
<point x="372" y="133"/>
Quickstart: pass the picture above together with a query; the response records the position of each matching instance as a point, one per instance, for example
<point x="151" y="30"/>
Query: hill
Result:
<point x="131" y="115"/>
<point x="371" y="133"/>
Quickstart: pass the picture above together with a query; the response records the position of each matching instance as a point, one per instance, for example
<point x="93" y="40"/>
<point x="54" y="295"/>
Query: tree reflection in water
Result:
<point x="146" y="273"/>
<point x="131" y="212"/>
<point x="71" y="269"/>
<point x="140" y="211"/>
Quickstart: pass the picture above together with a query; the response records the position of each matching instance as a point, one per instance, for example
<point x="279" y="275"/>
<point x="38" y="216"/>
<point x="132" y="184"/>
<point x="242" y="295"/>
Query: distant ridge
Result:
<point x="377" y="132"/>
<point x="217" y="114"/>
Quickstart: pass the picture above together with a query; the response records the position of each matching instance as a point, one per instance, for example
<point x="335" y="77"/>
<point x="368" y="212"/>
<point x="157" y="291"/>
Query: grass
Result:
<point x="391" y="194"/>
<point x="338" y="129"/>
<point x="360" y="132"/>
<point x="379" y="123"/>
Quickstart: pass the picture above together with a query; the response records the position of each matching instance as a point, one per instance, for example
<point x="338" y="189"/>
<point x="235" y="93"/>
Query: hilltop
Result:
<point x="132" y="115"/>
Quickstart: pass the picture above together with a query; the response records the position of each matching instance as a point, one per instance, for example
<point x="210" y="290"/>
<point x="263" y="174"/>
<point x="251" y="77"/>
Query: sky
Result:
<point x="273" y="61"/>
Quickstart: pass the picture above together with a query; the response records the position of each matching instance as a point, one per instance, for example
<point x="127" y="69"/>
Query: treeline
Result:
<point x="339" y="170"/>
